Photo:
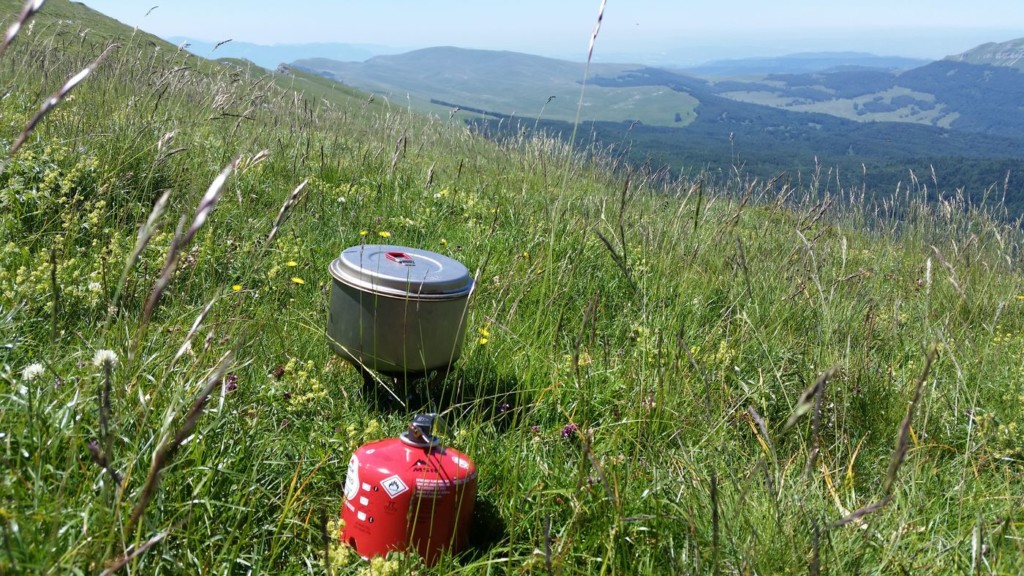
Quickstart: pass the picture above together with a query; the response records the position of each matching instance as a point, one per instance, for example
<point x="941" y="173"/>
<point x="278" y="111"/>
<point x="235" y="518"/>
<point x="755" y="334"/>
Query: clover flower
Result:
<point x="105" y="359"/>
<point x="569" y="430"/>
<point x="32" y="371"/>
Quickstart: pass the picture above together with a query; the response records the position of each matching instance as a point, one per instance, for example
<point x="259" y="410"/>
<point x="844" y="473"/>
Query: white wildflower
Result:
<point x="32" y="371"/>
<point x="104" y="359"/>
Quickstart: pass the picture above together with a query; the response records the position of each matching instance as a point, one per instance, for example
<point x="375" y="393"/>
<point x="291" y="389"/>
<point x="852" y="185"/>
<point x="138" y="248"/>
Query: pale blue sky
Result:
<point x="695" y="31"/>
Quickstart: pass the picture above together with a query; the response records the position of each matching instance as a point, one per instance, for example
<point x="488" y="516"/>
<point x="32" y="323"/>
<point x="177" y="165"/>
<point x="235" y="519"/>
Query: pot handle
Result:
<point x="400" y="258"/>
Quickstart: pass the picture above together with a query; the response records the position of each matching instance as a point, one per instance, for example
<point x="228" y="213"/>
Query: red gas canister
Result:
<point x="408" y="492"/>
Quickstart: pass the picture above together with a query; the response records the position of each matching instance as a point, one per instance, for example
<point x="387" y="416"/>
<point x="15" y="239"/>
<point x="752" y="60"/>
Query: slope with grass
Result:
<point x="664" y="377"/>
<point x="437" y="80"/>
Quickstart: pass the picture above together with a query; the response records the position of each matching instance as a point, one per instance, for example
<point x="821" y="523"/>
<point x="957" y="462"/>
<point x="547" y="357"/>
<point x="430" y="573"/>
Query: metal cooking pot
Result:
<point x="396" y="309"/>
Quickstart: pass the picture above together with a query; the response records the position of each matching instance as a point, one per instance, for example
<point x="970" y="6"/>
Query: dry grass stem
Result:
<point x="167" y="449"/>
<point x="27" y="12"/>
<point x="814" y="569"/>
<point x="715" y="551"/>
<point x="620" y="261"/>
<point x="283" y="212"/>
<point x="586" y="70"/>
<point x="166" y="271"/>
<point x="547" y="546"/>
<point x="588" y="449"/>
<point x="147" y="230"/>
<point x="819" y="396"/>
<point x="105" y="410"/>
<point x="903" y="439"/>
<point x="186" y="344"/>
<point x="132" y="554"/>
<point x="180" y="240"/>
<point x="58" y="97"/>
<point x="760" y="426"/>
<point x="209" y="201"/>
<point x="100" y="458"/>
<point x="807" y="398"/>
<point x="597" y="28"/>
<point x="860" y="513"/>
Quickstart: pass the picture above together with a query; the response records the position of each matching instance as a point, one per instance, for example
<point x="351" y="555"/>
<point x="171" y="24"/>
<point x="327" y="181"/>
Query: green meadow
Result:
<point x="660" y="376"/>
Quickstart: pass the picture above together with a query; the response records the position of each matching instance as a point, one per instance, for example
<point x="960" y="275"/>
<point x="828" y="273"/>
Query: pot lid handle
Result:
<point x="400" y="258"/>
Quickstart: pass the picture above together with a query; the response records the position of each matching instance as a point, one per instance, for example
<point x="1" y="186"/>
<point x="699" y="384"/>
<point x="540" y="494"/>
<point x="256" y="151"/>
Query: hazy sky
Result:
<point x="695" y="31"/>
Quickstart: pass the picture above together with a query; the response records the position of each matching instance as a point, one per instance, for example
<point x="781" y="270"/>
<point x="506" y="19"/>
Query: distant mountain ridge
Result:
<point x="804" y="63"/>
<point x="952" y="93"/>
<point x="870" y="121"/>
<point x="271" y="56"/>
<point x="1002" y="54"/>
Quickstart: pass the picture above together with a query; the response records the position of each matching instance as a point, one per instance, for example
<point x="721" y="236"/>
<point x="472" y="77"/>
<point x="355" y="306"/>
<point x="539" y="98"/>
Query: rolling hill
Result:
<point x="270" y="57"/>
<point x="878" y="123"/>
<point x="504" y="83"/>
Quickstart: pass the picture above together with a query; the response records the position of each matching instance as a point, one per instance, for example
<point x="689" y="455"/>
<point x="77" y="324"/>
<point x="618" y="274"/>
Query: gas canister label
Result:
<point x="393" y="485"/>
<point x="352" y="478"/>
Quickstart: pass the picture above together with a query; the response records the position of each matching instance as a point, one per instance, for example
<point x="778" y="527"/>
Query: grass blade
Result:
<point x="53" y="101"/>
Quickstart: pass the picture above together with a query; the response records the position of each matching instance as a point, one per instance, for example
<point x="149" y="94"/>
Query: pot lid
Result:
<point x="401" y="271"/>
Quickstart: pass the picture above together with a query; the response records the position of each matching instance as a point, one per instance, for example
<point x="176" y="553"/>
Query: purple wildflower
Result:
<point x="232" y="382"/>
<point x="649" y="402"/>
<point x="569" y="430"/>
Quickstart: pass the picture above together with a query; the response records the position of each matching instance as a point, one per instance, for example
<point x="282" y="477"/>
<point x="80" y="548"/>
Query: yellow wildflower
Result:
<point x="291" y="263"/>
<point x="364" y="232"/>
<point x="297" y="280"/>
<point x="237" y="287"/>
<point x="380" y="566"/>
<point x="384" y="234"/>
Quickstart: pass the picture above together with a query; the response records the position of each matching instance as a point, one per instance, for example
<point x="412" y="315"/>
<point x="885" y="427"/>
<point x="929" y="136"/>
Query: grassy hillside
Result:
<point x="662" y="376"/>
<point x="437" y="80"/>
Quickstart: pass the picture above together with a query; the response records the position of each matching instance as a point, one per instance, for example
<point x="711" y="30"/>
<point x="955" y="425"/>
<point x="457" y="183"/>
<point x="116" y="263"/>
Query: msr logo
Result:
<point x="421" y="465"/>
